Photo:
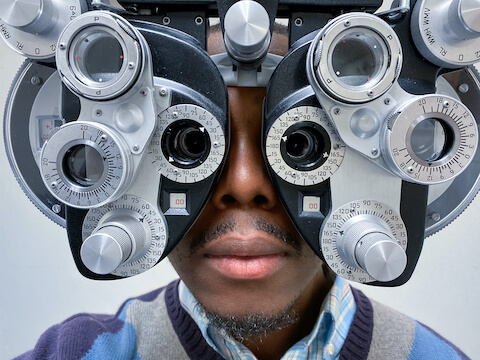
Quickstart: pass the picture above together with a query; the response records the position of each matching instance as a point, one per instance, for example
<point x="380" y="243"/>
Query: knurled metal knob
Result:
<point x="369" y="245"/>
<point x="381" y="257"/>
<point x="112" y="244"/>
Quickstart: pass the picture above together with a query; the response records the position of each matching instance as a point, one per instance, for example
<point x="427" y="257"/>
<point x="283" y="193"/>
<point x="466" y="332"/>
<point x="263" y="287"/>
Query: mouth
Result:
<point x="247" y="258"/>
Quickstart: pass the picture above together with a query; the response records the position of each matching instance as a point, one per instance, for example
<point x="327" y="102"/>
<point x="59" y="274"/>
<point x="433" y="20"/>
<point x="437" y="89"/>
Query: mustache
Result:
<point x="227" y="226"/>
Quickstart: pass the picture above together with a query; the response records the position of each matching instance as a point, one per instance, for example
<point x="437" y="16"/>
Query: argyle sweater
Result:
<point x="155" y="326"/>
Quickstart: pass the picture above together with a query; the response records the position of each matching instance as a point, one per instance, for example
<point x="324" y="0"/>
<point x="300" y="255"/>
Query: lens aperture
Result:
<point x="83" y="165"/>
<point x="357" y="59"/>
<point x="306" y="146"/>
<point x="99" y="56"/>
<point x="186" y="144"/>
<point x="431" y="139"/>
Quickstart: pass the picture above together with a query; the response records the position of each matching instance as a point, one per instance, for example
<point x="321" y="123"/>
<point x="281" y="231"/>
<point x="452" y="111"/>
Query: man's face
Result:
<point x="243" y="256"/>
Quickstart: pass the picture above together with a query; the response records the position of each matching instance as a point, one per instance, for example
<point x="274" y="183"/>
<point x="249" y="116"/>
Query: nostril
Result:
<point x="228" y="199"/>
<point x="260" y="200"/>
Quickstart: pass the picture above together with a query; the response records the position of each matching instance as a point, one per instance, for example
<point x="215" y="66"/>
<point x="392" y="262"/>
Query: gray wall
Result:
<point x="40" y="286"/>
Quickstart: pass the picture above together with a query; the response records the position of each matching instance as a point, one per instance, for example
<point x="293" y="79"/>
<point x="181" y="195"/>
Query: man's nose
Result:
<point x="244" y="181"/>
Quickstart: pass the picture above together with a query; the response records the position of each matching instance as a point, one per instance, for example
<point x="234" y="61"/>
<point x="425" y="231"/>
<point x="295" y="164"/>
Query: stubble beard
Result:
<point x="252" y="326"/>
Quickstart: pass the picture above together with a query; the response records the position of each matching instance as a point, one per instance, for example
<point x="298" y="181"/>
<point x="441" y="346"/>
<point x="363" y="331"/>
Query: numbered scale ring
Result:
<point x="188" y="144"/>
<point x="303" y="147"/>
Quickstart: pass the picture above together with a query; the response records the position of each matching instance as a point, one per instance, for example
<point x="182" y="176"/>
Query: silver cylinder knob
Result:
<point x="464" y="19"/>
<point x="32" y="16"/>
<point x="247" y="31"/>
<point x="367" y="244"/>
<point x="381" y="257"/>
<point x="114" y="242"/>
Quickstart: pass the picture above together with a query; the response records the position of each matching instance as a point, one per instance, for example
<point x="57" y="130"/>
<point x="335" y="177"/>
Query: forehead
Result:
<point x="278" y="45"/>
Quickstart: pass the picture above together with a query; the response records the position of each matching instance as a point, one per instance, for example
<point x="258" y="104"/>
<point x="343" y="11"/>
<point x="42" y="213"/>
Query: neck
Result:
<point x="275" y="344"/>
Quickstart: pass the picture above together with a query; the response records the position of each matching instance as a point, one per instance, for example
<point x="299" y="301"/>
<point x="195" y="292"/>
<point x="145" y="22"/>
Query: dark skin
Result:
<point x="243" y="195"/>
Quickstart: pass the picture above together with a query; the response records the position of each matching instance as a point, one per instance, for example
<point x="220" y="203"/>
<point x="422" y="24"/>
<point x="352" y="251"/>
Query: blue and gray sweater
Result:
<point x="155" y="326"/>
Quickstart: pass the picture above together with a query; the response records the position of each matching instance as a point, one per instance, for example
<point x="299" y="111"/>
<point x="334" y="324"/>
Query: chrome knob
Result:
<point x="247" y="31"/>
<point x="33" y="16"/>
<point x="32" y="27"/>
<point x="367" y="244"/>
<point x="120" y="239"/>
<point x="446" y="32"/>
<point x="464" y="18"/>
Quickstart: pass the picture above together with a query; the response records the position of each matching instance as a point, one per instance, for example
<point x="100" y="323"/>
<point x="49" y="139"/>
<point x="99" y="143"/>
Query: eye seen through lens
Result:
<point x="190" y="142"/>
<point x="83" y="165"/>
<point x="186" y="143"/>
<point x="99" y="56"/>
<point x="357" y="58"/>
<point x="431" y="139"/>
<point x="306" y="146"/>
<point x="300" y="145"/>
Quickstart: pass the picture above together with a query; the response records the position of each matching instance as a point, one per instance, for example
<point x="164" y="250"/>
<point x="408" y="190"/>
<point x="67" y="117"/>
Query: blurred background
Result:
<point x="40" y="286"/>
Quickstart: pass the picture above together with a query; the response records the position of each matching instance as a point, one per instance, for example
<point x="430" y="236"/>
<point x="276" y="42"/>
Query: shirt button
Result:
<point x="330" y="349"/>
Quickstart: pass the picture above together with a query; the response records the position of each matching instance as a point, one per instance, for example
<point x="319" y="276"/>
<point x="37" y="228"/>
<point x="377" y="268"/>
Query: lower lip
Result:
<point x="247" y="267"/>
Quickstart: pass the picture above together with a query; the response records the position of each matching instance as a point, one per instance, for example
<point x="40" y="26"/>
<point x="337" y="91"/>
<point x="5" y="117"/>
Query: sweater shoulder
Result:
<point x="81" y="335"/>
<point x="397" y="336"/>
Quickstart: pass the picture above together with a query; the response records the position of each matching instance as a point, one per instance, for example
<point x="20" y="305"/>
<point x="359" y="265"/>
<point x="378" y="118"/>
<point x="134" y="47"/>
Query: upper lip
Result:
<point x="252" y="246"/>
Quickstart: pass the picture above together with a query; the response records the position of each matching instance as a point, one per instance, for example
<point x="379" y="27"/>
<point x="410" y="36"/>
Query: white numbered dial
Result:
<point x="188" y="144"/>
<point x="348" y="263"/>
<point x="152" y="230"/>
<point x="303" y="147"/>
<point x="32" y="28"/>
<point x="431" y="139"/>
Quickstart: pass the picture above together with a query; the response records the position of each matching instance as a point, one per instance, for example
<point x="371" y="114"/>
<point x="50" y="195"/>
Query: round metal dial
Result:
<point x="430" y="139"/>
<point x="86" y="165"/>
<point x="300" y="127"/>
<point x="447" y="32"/>
<point x="32" y="28"/>
<point x="188" y="144"/>
<point x="99" y="55"/>
<point x="355" y="58"/>
<point x="379" y="216"/>
<point x="149" y="239"/>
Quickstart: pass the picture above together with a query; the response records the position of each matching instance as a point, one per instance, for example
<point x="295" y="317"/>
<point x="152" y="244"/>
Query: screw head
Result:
<point x="163" y="92"/>
<point x="298" y="21"/>
<point x="463" y="88"/>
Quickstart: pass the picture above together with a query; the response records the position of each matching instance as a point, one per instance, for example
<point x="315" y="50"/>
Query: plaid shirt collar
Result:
<point x="324" y="342"/>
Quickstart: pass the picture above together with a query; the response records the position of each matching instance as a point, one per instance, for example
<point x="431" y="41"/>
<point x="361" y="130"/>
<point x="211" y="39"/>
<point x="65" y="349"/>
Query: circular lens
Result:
<point x="300" y="144"/>
<point x="357" y="58"/>
<point x="99" y="56"/>
<point x="306" y="146"/>
<point x="83" y="165"/>
<point x="186" y="144"/>
<point x="431" y="139"/>
<point x="190" y="142"/>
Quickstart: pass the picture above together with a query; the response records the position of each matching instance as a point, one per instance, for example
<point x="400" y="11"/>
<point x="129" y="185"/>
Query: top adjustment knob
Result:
<point x="247" y="31"/>
<point x="32" y="27"/>
<point x="446" y="32"/>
